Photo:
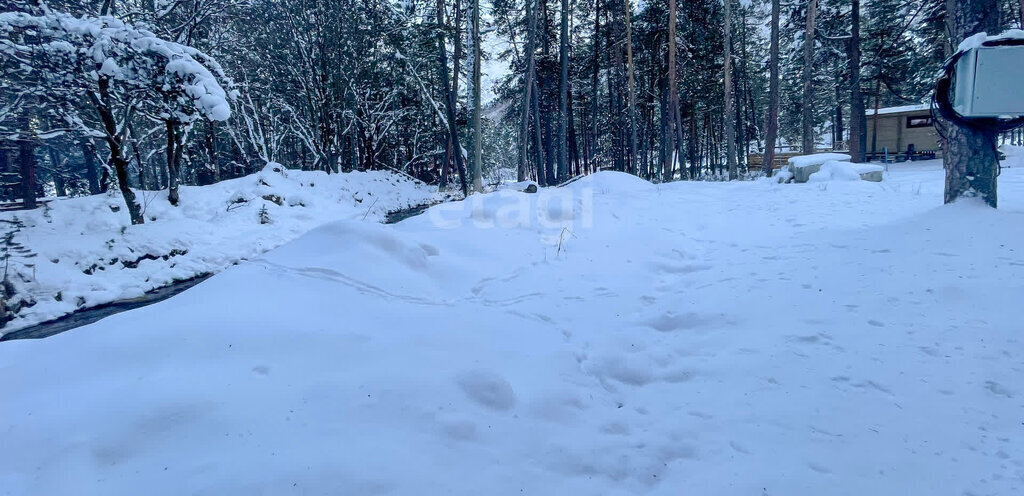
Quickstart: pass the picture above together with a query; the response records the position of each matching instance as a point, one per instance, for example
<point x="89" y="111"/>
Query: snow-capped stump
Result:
<point x="804" y="165"/>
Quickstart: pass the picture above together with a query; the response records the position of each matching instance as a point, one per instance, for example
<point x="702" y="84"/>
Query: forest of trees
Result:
<point x="665" y="89"/>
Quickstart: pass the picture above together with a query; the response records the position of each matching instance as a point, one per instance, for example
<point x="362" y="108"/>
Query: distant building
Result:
<point x="900" y="129"/>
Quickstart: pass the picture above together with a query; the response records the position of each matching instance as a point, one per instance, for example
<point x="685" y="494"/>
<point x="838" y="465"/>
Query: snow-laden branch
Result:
<point x="62" y="50"/>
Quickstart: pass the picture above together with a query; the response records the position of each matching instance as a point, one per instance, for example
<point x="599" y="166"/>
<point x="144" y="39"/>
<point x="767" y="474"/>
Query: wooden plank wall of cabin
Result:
<point x="894" y="134"/>
<point x="887" y="133"/>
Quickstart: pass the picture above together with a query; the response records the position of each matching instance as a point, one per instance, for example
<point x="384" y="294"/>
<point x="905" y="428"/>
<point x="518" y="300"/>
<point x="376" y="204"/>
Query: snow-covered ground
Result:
<point x="611" y="337"/>
<point x="88" y="253"/>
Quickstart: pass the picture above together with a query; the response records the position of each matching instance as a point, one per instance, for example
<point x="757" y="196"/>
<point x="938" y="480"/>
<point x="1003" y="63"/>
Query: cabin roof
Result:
<point x="899" y="110"/>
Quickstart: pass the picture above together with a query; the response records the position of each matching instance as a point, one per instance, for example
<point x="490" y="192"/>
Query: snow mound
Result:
<point x="816" y="159"/>
<point x="835" y="170"/>
<point x="607" y="181"/>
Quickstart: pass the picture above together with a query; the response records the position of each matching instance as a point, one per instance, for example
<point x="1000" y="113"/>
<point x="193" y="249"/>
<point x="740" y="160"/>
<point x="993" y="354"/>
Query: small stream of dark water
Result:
<point x="89" y="315"/>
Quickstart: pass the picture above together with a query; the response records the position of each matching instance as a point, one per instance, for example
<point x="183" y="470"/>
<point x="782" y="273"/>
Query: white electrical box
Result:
<point x="990" y="82"/>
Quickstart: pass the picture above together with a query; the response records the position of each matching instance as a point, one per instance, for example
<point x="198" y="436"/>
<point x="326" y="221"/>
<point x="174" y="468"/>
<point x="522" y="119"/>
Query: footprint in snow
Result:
<point x="487" y="389"/>
<point x="821" y="469"/>
<point x="998" y="389"/>
<point x="669" y="321"/>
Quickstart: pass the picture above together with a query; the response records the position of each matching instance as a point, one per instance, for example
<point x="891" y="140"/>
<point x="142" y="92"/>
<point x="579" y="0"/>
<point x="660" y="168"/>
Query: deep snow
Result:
<point x="610" y="337"/>
<point x="90" y="254"/>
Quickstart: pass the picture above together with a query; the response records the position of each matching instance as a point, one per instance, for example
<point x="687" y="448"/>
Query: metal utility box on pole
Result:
<point x="988" y="82"/>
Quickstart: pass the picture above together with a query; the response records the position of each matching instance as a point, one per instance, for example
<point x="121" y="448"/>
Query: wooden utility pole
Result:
<point x="772" y="125"/>
<point x="808" y="96"/>
<point x="969" y="154"/>
<point x="728" y="117"/>
<point x="858" y="122"/>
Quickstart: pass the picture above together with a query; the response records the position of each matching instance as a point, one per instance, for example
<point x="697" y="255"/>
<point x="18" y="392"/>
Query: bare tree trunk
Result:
<point x="211" y="151"/>
<point x="116" y="146"/>
<point x="874" y="116"/>
<point x="742" y="140"/>
<point x="27" y="162"/>
<point x="173" y="172"/>
<point x="771" y="127"/>
<point x="449" y="88"/>
<point x="59" y="181"/>
<point x="808" y="94"/>
<point x="631" y="88"/>
<point x="730" y="132"/>
<point x="858" y="122"/>
<point x="837" y="116"/>
<point x="89" y="157"/>
<point x="478" y="185"/>
<point x="528" y="77"/>
<point x="541" y="177"/>
<point x="614" y="79"/>
<point x="969" y="154"/>
<point x="595" y="130"/>
<point x="692" y="147"/>
<point x="563" y="95"/>
<point x="574" y="151"/>
<point x="673" y="145"/>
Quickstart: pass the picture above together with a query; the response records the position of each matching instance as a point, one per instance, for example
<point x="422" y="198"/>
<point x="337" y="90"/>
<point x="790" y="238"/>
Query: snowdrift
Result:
<point x="90" y="254"/>
<point x="715" y="338"/>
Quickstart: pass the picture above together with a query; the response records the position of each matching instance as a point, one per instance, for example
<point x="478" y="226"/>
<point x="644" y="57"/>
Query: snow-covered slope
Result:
<point x="612" y="337"/>
<point x="89" y="254"/>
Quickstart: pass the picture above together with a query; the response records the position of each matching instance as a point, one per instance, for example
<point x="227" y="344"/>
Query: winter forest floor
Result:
<point x="610" y="337"/>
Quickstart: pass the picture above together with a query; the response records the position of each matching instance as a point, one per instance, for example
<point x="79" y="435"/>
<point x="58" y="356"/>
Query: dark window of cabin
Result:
<point x="919" y="121"/>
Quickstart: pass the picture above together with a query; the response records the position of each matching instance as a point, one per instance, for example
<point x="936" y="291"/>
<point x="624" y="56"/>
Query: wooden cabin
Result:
<point x="900" y="129"/>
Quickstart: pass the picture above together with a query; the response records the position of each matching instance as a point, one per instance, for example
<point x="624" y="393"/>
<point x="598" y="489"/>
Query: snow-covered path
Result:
<point x="617" y="338"/>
